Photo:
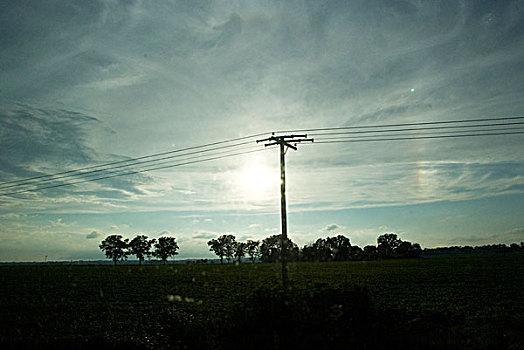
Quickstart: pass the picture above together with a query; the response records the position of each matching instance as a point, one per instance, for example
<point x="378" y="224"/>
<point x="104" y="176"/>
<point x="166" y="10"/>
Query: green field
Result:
<point x="453" y="303"/>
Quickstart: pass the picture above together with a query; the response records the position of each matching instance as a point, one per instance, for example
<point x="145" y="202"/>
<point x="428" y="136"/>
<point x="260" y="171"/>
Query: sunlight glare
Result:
<point x="257" y="180"/>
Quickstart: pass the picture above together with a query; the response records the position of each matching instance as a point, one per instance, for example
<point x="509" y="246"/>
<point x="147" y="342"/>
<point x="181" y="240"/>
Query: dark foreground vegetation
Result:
<point x="431" y="303"/>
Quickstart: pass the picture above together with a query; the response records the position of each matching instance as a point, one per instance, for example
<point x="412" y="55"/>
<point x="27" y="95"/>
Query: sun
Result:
<point x="257" y="180"/>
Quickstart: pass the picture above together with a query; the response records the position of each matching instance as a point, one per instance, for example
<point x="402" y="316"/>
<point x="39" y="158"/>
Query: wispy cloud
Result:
<point x="93" y="235"/>
<point x="330" y="228"/>
<point x="204" y="235"/>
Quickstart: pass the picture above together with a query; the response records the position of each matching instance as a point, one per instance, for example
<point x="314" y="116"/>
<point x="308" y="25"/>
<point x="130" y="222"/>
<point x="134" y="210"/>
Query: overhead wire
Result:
<point x="108" y="164"/>
<point x="78" y="173"/>
<point x="361" y="133"/>
<point x="413" y="129"/>
<point x="403" y="138"/>
<point x="136" y="172"/>
<point x="482" y="132"/>
<point x="404" y="124"/>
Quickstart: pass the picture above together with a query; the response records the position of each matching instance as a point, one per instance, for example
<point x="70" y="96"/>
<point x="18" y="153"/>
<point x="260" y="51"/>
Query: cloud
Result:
<point x="10" y="216"/>
<point x="330" y="228"/>
<point x="94" y="234"/>
<point x="254" y="225"/>
<point x="516" y="234"/>
<point x="204" y="235"/>
<point x="165" y="233"/>
<point x="44" y="141"/>
<point x="58" y="223"/>
<point x="119" y="227"/>
<point x="186" y="192"/>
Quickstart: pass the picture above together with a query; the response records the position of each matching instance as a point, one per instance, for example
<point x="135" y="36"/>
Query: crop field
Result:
<point x="428" y="303"/>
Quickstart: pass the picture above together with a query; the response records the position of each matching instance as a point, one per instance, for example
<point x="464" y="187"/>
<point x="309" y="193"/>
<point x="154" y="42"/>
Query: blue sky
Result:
<point x="85" y="83"/>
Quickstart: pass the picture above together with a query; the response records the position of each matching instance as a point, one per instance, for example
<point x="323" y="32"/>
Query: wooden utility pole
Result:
<point x="284" y="142"/>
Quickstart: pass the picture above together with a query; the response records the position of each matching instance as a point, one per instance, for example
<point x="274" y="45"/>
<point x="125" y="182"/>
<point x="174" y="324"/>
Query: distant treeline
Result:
<point x="269" y="250"/>
<point x="117" y="249"/>
<point x="338" y="248"/>
<point x="469" y="250"/>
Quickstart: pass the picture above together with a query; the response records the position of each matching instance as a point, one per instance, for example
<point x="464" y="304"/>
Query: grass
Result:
<point x="454" y="303"/>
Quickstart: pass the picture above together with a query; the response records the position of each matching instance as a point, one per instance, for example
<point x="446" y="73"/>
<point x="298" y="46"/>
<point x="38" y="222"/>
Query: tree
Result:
<point x="340" y="247"/>
<point x="253" y="249"/>
<point x="356" y="253"/>
<point x="408" y="250"/>
<point x="165" y="247"/>
<point x="271" y="247"/>
<point x="417" y="250"/>
<point x="216" y="246"/>
<point x="308" y="253"/>
<point x="114" y="247"/>
<point x="140" y="246"/>
<point x="229" y="243"/>
<point x="223" y="246"/>
<point x="370" y="252"/>
<point x="240" y="251"/>
<point x="387" y="245"/>
<point x="322" y="250"/>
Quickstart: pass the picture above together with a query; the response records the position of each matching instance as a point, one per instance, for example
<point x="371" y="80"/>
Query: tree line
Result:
<point x="116" y="248"/>
<point x="478" y="250"/>
<point x="339" y="248"/>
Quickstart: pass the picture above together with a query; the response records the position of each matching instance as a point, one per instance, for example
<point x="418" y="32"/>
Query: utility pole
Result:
<point x="285" y="142"/>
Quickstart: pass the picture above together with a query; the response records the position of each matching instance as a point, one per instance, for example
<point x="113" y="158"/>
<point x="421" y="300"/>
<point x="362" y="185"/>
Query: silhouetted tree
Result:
<point x="223" y="246"/>
<point x="215" y="247"/>
<point x="240" y="251"/>
<point x="141" y="247"/>
<point x="253" y="249"/>
<point x="114" y="247"/>
<point x="308" y="253"/>
<point x="417" y="250"/>
<point x="387" y="245"/>
<point x="270" y="249"/>
<point x="329" y="249"/>
<point x="229" y="243"/>
<point x="340" y="247"/>
<point x="165" y="247"/>
<point x="356" y="253"/>
<point x="322" y="250"/>
<point x="370" y="252"/>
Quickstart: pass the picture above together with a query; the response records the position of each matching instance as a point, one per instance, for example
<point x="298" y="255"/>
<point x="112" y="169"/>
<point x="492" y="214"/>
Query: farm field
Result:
<point x="429" y="303"/>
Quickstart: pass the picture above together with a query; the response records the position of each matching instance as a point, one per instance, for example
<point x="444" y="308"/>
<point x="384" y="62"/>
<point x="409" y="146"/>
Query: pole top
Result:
<point x="285" y="140"/>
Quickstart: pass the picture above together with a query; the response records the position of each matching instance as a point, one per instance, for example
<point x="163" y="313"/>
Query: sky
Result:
<point x="84" y="83"/>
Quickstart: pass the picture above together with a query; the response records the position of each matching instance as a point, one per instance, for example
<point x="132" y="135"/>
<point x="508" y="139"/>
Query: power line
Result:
<point x="138" y="160"/>
<point x="133" y="172"/>
<point x="374" y="133"/>
<point x="417" y="137"/>
<point x="403" y="124"/>
<point x="135" y="159"/>
<point x="432" y="133"/>
<point x="78" y="173"/>
<point x="415" y="129"/>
